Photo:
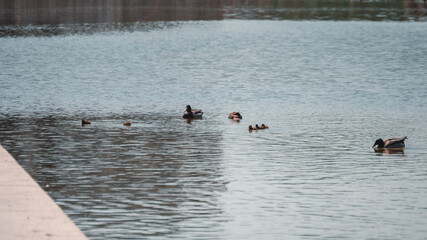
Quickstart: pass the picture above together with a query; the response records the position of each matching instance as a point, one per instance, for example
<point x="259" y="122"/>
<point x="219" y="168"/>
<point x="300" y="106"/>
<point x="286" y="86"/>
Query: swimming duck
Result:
<point x="251" y="128"/>
<point x="192" y="113"/>
<point x="128" y="123"/>
<point x="84" y="121"/>
<point x="236" y="116"/>
<point x="390" y="143"/>
<point x="263" y="126"/>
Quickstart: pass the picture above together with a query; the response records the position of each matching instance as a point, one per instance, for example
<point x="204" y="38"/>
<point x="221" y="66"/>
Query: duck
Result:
<point x="263" y="126"/>
<point x="251" y="128"/>
<point x="84" y="122"/>
<point x="236" y="116"/>
<point x="192" y="113"/>
<point x="390" y="143"/>
<point x="128" y="123"/>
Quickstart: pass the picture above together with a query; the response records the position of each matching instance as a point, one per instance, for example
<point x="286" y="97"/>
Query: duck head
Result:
<point x="188" y="108"/>
<point x="379" y="142"/>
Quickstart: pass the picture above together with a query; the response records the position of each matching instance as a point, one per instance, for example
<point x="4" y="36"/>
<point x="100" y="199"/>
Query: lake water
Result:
<point x="327" y="90"/>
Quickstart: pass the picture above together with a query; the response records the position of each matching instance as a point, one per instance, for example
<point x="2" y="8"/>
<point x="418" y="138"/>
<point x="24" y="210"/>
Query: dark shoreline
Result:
<point x="41" y="12"/>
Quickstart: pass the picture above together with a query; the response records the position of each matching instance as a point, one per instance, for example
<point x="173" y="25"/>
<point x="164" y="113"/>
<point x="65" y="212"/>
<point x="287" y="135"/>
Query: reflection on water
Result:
<point x="21" y="12"/>
<point x="389" y="151"/>
<point x="400" y="10"/>
<point x="45" y="17"/>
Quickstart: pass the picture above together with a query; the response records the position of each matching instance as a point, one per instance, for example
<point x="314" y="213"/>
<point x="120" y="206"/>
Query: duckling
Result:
<point x="236" y="116"/>
<point x="84" y="121"/>
<point x="390" y="143"/>
<point x="128" y="123"/>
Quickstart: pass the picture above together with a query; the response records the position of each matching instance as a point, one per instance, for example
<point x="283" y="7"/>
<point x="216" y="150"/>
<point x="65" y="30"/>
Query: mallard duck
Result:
<point x="251" y="128"/>
<point x="263" y="126"/>
<point x="84" y="122"/>
<point x="390" y="143"/>
<point x="128" y="123"/>
<point x="236" y="116"/>
<point x="192" y="113"/>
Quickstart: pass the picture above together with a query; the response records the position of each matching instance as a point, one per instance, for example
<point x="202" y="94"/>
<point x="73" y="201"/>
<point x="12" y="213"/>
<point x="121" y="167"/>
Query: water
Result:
<point x="327" y="89"/>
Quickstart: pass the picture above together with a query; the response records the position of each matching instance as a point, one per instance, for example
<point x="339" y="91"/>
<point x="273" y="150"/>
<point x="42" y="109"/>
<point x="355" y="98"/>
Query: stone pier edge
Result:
<point x="26" y="210"/>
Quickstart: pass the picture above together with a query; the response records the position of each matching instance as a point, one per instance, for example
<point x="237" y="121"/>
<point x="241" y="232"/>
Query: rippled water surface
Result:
<point x="327" y="90"/>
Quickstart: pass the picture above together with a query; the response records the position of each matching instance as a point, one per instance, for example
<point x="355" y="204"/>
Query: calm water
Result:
<point x="327" y="89"/>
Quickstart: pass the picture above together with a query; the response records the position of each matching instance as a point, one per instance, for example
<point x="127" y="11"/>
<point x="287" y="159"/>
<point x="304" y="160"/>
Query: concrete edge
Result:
<point x="26" y="210"/>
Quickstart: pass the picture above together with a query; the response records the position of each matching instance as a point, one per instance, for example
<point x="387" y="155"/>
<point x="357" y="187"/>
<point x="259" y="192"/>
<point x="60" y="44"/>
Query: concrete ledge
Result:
<point x="26" y="211"/>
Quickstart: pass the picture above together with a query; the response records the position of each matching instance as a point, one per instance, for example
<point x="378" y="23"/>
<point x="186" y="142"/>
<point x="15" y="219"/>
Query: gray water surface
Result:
<point x="327" y="90"/>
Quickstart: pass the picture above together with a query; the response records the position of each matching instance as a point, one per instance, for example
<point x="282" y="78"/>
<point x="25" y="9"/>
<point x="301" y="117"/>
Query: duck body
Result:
<point x="128" y="123"/>
<point x="390" y="143"/>
<point x="257" y="127"/>
<point x="84" y="122"/>
<point x="192" y="113"/>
